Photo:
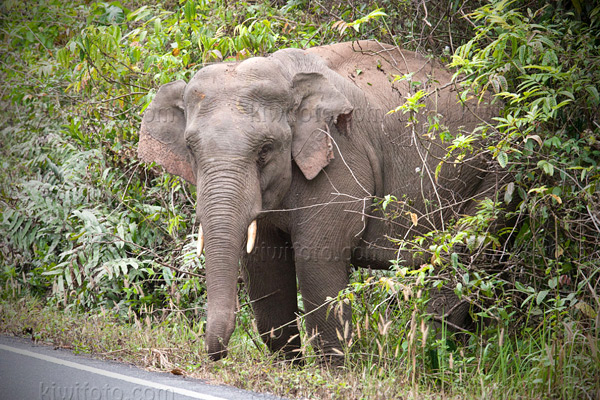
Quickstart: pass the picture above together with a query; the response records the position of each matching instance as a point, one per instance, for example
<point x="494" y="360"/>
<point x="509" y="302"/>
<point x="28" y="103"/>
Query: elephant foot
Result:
<point x="334" y="360"/>
<point x="217" y="355"/>
<point x="285" y="344"/>
<point x="294" y="357"/>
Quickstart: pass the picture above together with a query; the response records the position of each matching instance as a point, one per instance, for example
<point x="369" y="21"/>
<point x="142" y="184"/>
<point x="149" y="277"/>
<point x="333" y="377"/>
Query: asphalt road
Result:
<point x="30" y="372"/>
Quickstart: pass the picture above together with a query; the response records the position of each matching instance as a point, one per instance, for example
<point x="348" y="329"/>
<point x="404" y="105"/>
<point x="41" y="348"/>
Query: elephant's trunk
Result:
<point x="226" y="209"/>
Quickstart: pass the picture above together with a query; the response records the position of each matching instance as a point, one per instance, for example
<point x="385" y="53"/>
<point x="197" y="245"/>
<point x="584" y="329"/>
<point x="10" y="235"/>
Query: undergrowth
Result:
<point x="97" y="249"/>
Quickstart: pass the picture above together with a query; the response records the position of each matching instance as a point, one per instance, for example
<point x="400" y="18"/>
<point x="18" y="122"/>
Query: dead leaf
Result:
<point x="537" y="138"/>
<point x="414" y="218"/>
<point x="586" y="309"/>
<point x="555" y="197"/>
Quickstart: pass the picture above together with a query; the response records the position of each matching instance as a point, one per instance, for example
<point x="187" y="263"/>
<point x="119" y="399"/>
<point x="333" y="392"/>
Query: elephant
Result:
<point x="289" y="154"/>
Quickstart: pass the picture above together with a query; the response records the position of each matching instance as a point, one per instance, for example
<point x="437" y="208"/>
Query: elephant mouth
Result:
<point x="249" y="244"/>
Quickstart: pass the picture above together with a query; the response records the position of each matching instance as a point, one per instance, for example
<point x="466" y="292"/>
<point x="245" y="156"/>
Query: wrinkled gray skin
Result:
<point x="300" y="142"/>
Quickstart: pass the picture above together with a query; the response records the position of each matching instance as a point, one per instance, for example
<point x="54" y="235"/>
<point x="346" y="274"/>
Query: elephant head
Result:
<point x="235" y="131"/>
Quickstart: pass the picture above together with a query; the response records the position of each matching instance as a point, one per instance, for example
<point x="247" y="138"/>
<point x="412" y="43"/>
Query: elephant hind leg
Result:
<point x="270" y="279"/>
<point x="450" y="311"/>
<point x="322" y="275"/>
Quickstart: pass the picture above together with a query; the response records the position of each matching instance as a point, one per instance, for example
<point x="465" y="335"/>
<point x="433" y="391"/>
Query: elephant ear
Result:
<point x="162" y="138"/>
<point x="318" y="103"/>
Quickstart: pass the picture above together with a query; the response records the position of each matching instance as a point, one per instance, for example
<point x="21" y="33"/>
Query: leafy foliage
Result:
<point x="545" y="66"/>
<point x="82" y="220"/>
<point x="88" y="227"/>
<point x="533" y="285"/>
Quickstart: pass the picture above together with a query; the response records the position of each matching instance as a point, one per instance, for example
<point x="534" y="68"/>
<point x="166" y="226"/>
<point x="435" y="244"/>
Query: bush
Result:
<point x="88" y="227"/>
<point x="82" y="220"/>
<point x="533" y="285"/>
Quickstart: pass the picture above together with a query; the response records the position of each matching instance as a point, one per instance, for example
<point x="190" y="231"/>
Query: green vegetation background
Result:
<point x="97" y="249"/>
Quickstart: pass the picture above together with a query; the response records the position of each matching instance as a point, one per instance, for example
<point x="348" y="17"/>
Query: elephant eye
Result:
<point x="263" y="154"/>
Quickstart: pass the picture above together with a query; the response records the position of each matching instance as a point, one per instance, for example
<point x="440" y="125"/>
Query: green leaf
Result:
<point x="372" y="15"/>
<point x="593" y="91"/>
<point x="546" y="167"/>
<point x="53" y="272"/>
<point x="167" y="275"/>
<point x="568" y="94"/>
<point x="189" y="11"/>
<point x="541" y="296"/>
<point x="139" y="14"/>
<point x="550" y="58"/>
<point x="508" y="193"/>
<point x="454" y="260"/>
<point x="387" y="200"/>
<point x="502" y="159"/>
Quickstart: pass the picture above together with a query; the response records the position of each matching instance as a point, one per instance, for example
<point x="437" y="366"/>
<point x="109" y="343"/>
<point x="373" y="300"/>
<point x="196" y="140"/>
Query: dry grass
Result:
<point x="174" y="347"/>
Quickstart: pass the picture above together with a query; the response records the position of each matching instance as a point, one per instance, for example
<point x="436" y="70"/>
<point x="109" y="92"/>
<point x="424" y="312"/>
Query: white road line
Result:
<point x="114" y="375"/>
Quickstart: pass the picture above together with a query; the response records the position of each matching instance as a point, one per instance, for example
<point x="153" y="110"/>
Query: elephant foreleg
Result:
<point x="270" y="279"/>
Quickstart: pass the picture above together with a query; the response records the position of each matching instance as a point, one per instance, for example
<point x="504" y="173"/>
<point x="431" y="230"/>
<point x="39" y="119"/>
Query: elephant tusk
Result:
<point x="251" y="237"/>
<point x="200" y="241"/>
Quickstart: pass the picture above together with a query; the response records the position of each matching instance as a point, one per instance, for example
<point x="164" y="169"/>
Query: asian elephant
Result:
<point x="289" y="152"/>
